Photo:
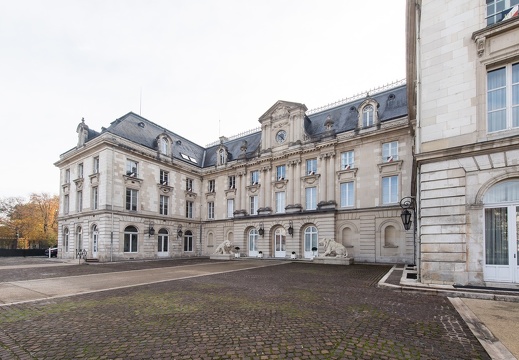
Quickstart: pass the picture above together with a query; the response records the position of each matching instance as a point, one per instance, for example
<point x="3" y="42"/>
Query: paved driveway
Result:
<point x="292" y="310"/>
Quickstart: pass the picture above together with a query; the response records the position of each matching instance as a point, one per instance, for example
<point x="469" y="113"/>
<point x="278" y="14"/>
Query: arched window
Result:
<point x="506" y="191"/>
<point x="162" y="240"/>
<point x="253" y="240"/>
<point x="65" y="239"/>
<point x="210" y="239"/>
<point x="222" y="158"/>
<point x="163" y="145"/>
<point x="188" y="241"/>
<point x="280" y="242"/>
<point x="95" y="239"/>
<point x="347" y="236"/>
<point x="130" y="239"/>
<point x="368" y="116"/>
<point x="310" y="237"/>
<point x="79" y="238"/>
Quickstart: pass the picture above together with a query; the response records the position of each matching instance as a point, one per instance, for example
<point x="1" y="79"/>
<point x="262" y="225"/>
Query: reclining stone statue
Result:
<point x="333" y="248"/>
<point x="224" y="248"/>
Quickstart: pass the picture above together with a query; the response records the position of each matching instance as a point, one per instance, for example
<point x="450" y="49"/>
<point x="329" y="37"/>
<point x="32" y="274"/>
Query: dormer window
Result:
<point x="368" y="118"/>
<point x="222" y="156"/>
<point x="163" y="146"/>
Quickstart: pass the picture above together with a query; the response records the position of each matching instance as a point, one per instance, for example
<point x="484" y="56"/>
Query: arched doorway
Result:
<point x="253" y="242"/>
<point x="95" y="241"/>
<point x="162" y="243"/>
<point x="188" y="241"/>
<point x="280" y="242"/>
<point x="79" y="239"/>
<point x="501" y="232"/>
<point x="310" y="238"/>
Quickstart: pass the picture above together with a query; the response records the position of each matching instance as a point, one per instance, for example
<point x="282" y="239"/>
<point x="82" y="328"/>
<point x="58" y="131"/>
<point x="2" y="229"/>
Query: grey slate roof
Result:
<point x="392" y="104"/>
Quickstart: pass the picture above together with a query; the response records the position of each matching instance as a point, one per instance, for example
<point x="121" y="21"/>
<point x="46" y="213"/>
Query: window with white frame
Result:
<point x="212" y="186"/>
<point x="254" y="177"/>
<point x="281" y="172"/>
<point x="95" y="198"/>
<point x="189" y="209"/>
<point x="67" y="176"/>
<point x="280" y="202"/>
<point x="253" y="205"/>
<point x="188" y="241"/>
<point x="65" y="239"/>
<point x="162" y="240"/>
<point x="80" y="171"/>
<point x="66" y="204"/>
<point x="368" y="116"/>
<point x="79" y="201"/>
<point x="497" y="10"/>
<point x="131" y="199"/>
<point x="132" y="168"/>
<point x="311" y="166"/>
<point x="189" y="184"/>
<point x="222" y="157"/>
<point x="232" y="182"/>
<point x="210" y="210"/>
<point x="163" y="205"/>
<point x="164" y="177"/>
<point x="390" y="151"/>
<point x="95" y="165"/>
<point x="311" y="198"/>
<point x="347" y="194"/>
<point x="230" y="208"/>
<point x="130" y="239"/>
<point x="163" y="145"/>
<point x="390" y="189"/>
<point x="347" y="160"/>
<point x="503" y="98"/>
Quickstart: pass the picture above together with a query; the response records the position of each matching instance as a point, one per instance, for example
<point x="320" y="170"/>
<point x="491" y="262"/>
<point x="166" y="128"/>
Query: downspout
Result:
<point x="418" y="138"/>
<point x="112" y="208"/>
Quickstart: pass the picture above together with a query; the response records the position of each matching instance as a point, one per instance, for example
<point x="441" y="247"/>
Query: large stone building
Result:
<point x="138" y="190"/>
<point x="463" y="92"/>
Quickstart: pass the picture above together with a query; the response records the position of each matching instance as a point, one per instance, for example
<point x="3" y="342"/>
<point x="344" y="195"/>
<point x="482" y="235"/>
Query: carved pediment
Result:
<point x="165" y="189"/>
<point x="190" y="194"/>
<point x="79" y="183"/>
<point x="282" y="110"/>
<point x="389" y="167"/>
<point x="253" y="188"/>
<point x="280" y="184"/>
<point x="94" y="179"/>
<point x="311" y="179"/>
<point x="132" y="181"/>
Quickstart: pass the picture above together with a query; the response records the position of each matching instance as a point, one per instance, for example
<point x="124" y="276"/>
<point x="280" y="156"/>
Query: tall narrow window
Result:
<point x="232" y="182"/>
<point x="189" y="184"/>
<point x="230" y="208"/>
<point x="347" y="194"/>
<point x="188" y="241"/>
<point x="130" y="239"/>
<point x="368" y="118"/>
<point x="210" y="210"/>
<point x="65" y="239"/>
<point x="390" y="189"/>
<point x="95" y="165"/>
<point x="80" y="171"/>
<point x="212" y="186"/>
<point x="163" y="206"/>
<point x="163" y="146"/>
<point x="281" y="172"/>
<point x="311" y="198"/>
<point x="280" y="202"/>
<point x="390" y="151"/>
<point x="131" y="199"/>
<point x="67" y="176"/>
<point x="254" y="177"/>
<point x="132" y="168"/>
<point x="222" y="157"/>
<point x="347" y="160"/>
<point x="95" y="198"/>
<point x="162" y="241"/>
<point x="66" y="204"/>
<point x="164" y="177"/>
<point x="79" y="201"/>
<point x="503" y="98"/>
<point x="253" y="205"/>
<point x="79" y="238"/>
<point x="189" y="209"/>
<point x="311" y="166"/>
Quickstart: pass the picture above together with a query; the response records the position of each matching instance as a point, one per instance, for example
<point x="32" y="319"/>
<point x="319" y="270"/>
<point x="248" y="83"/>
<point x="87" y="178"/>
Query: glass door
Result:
<point x="253" y="243"/>
<point x="310" y="242"/>
<point x="280" y="243"/>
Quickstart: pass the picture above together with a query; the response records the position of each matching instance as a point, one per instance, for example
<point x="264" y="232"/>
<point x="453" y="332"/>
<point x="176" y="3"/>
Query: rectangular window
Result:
<point x="164" y="177"/>
<point x="188" y="243"/>
<point x="390" y="189"/>
<point x="79" y="200"/>
<point x="210" y="210"/>
<point x="232" y="182"/>
<point x="163" y="206"/>
<point x="311" y="166"/>
<point x="503" y="98"/>
<point x="95" y="165"/>
<point x="67" y="176"/>
<point x="189" y="209"/>
<point x="347" y="160"/>
<point x="347" y="194"/>
<point x="230" y="208"/>
<point x="254" y="177"/>
<point x="281" y="172"/>
<point x="189" y="184"/>
<point x="497" y="10"/>
<point x="80" y="171"/>
<point x="66" y="204"/>
<point x="95" y="198"/>
<point x="390" y="151"/>
<point x="253" y="205"/>
<point x="212" y="186"/>
<point x="280" y="202"/>
<point x="131" y="199"/>
<point x="130" y="242"/>
<point x="311" y="198"/>
<point x="132" y="168"/>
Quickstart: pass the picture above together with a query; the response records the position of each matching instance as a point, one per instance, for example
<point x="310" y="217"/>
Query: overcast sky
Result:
<point x="200" y="68"/>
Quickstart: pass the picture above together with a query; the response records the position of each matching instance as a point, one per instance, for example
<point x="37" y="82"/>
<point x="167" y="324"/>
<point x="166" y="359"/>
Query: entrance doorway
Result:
<point x="253" y="243"/>
<point x="310" y="242"/>
<point x="280" y="243"/>
<point x="95" y="241"/>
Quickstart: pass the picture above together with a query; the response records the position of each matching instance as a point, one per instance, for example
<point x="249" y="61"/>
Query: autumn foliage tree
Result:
<point x="34" y="221"/>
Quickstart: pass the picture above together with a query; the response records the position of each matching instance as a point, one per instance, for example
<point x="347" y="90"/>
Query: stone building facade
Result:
<point x="136" y="190"/>
<point x="463" y="78"/>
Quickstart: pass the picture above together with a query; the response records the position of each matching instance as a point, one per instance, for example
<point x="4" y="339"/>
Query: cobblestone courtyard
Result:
<point x="293" y="310"/>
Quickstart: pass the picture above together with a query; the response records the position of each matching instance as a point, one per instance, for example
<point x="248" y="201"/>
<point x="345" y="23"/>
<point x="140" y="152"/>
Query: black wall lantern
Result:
<point x="406" y="204"/>
<point x="290" y="228"/>
<point x="179" y="231"/>
<point x="151" y="230"/>
<point x="261" y="231"/>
